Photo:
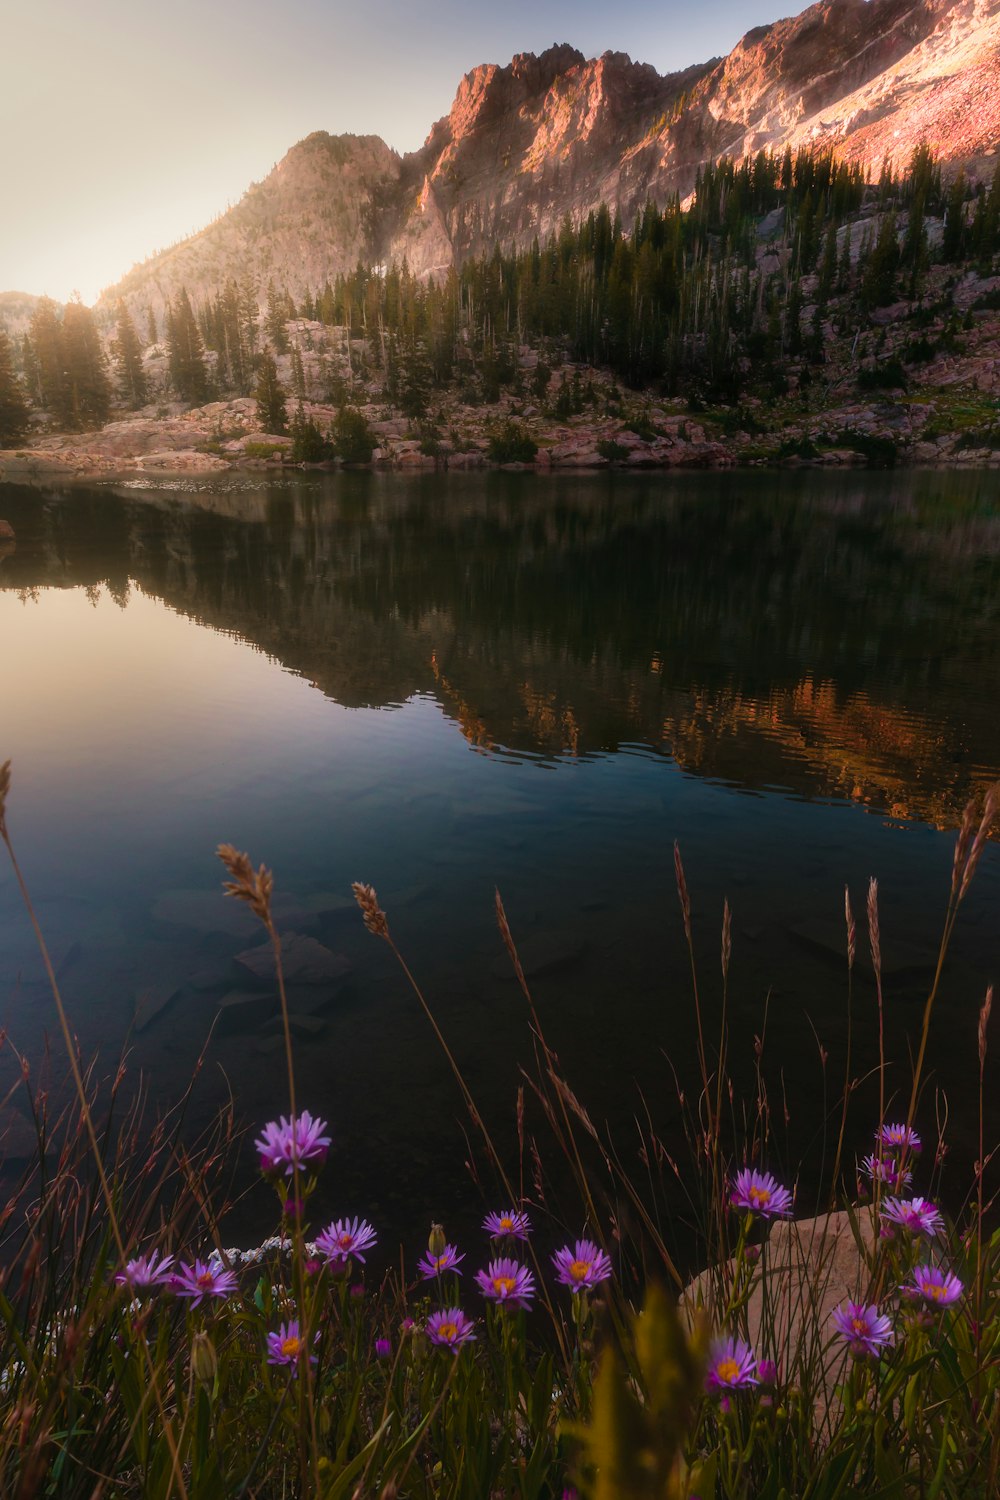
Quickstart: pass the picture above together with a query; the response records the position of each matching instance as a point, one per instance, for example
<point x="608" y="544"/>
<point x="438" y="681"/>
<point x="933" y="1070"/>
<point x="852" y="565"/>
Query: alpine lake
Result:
<point x="448" y="685"/>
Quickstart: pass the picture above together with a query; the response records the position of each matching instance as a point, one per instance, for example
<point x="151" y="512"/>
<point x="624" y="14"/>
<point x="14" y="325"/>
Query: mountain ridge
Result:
<point x="557" y="134"/>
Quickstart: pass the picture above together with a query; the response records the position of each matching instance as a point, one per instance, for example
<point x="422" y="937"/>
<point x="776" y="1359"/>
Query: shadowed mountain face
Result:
<point x="525" y="145"/>
<point x="835" y="641"/>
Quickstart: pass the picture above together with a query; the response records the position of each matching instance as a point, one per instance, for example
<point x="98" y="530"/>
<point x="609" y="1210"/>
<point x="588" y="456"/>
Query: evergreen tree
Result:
<point x="151" y="333"/>
<point x="879" y="284"/>
<point x="132" y="384"/>
<point x="29" y="369"/>
<point x="88" y="389"/>
<point x="953" y="242"/>
<point x="187" y="352"/>
<point x="46" y="339"/>
<point x="13" y="406"/>
<point x="272" y="410"/>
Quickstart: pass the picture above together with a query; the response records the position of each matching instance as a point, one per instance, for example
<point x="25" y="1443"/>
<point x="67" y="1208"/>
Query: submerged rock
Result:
<point x="304" y="961"/>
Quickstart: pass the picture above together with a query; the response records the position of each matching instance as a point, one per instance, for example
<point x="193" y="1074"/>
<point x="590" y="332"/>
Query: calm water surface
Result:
<point x="444" y="685"/>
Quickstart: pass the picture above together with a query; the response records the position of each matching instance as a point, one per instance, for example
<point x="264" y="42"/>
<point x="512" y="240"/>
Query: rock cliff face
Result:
<point x="527" y="144"/>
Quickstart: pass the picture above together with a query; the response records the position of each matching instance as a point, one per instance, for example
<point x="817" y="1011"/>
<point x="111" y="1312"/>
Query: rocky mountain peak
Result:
<point x="525" y="144"/>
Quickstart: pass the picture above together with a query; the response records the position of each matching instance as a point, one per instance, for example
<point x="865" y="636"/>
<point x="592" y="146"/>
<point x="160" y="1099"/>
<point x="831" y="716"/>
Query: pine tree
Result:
<point x="187" y="352"/>
<point x="151" y="333"/>
<point x="29" y="369"/>
<point x="272" y="411"/>
<point x="13" y="407"/>
<point x="46" y="338"/>
<point x="89" y="389"/>
<point x="953" y="242"/>
<point x="132" y="384"/>
<point x="879" y="285"/>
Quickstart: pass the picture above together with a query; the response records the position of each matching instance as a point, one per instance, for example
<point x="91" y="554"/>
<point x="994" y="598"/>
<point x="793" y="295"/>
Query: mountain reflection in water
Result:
<point x="812" y="639"/>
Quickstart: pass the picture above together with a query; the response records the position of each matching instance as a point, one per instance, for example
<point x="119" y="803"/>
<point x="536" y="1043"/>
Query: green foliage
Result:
<point x="258" y="449"/>
<point x="512" y="443"/>
<point x="188" y="370"/>
<point x="615" y="453"/>
<point x="14" y="414"/>
<point x="309" y="446"/>
<point x="354" y="442"/>
<point x="887" y="375"/>
<point x="132" y="384"/>
<point x="269" y="393"/>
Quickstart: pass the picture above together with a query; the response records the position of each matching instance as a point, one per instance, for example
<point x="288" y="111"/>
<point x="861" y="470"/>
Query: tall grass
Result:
<point x="805" y="1359"/>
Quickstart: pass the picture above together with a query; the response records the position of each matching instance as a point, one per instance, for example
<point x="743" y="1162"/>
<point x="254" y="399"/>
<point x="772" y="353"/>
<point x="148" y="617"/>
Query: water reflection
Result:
<point x="580" y="672"/>
<point x="831" y="635"/>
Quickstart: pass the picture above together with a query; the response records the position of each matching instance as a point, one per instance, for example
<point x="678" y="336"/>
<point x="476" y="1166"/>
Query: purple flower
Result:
<point x="512" y="1225"/>
<point x="346" y="1237"/>
<point x="145" y="1272"/>
<point x="732" y="1365"/>
<point x="436" y="1265"/>
<point x="760" y="1193"/>
<point x="885" y="1169"/>
<point x="898" y="1138"/>
<point x="767" y="1372"/>
<point x="914" y="1214"/>
<point x="292" y="1141"/>
<point x="287" y="1346"/>
<point x="507" y="1281"/>
<point x="864" y="1329"/>
<point x="203" y="1279"/>
<point x="582" y="1267"/>
<point x="383" y="1349"/>
<point x="938" y="1287"/>
<point x="451" y="1328"/>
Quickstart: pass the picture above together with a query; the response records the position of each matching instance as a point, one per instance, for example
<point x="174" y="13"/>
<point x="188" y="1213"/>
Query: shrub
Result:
<point x="512" y="443"/>
<point x="614" y="452"/>
<point x="888" y="375"/>
<point x="354" y="442"/>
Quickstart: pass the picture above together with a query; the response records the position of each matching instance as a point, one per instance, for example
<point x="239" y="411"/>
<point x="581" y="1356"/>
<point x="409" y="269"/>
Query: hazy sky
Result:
<point x="125" y="125"/>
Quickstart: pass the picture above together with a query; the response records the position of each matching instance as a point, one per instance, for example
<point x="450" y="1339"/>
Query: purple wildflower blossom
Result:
<point x="513" y="1225"/>
<point x="203" y="1279"/>
<point x="898" y="1138"/>
<point x="287" y="1346"/>
<point x="383" y="1349"/>
<point x="507" y="1281"/>
<point x="450" y="1329"/>
<point x="732" y="1365"/>
<point x="436" y="1265"/>
<point x="914" y="1214"/>
<point x="145" y="1272"/>
<point x="885" y="1170"/>
<point x="346" y="1237"/>
<point x="864" y="1329"/>
<point x="936" y="1286"/>
<point x="581" y="1267"/>
<point x="760" y="1193"/>
<point x="292" y="1141"/>
<point x="767" y="1372"/>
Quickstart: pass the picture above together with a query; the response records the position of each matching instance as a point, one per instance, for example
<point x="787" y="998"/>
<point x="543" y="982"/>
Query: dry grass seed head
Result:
<point x="255" y="887"/>
<point x="375" y="918"/>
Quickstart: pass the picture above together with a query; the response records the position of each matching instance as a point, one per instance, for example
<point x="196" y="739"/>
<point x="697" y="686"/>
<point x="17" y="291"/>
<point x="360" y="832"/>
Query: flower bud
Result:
<point x="436" y="1241"/>
<point x="204" y="1361"/>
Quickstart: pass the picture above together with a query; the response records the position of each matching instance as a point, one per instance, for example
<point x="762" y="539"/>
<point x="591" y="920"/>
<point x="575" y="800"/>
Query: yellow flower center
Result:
<point x="580" y="1269"/>
<point x="506" y="1223"/>
<point x="346" y="1240"/>
<point x="933" y="1289"/>
<point x="859" y="1325"/>
<point x="503" y="1284"/>
<point x="760" y="1196"/>
<point x="727" y="1370"/>
<point x="291" y="1347"/>
<point x="206" y="1278"/>
<point x="447" y="1331"/>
